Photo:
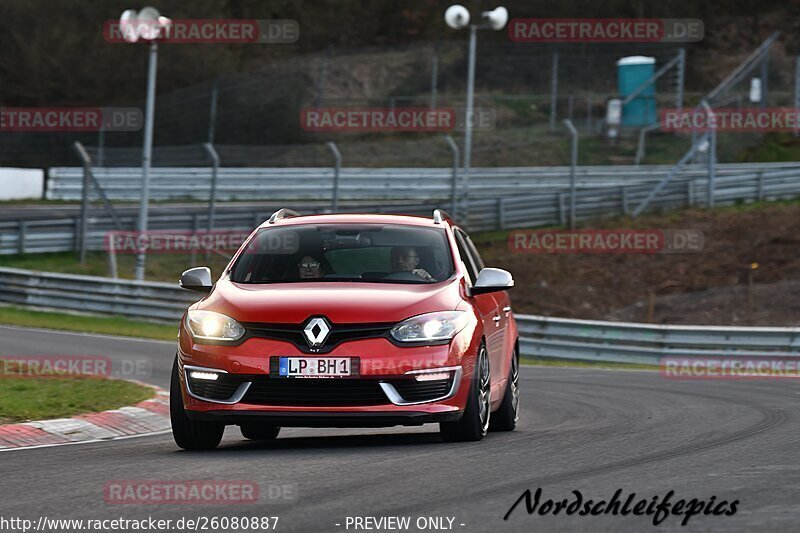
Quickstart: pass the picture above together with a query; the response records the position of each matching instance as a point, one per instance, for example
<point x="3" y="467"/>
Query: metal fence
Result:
<point x="500" y="199"/>
<point x="622" y="342"/>
<point x="62" y="234"/>
<point x="400" y="184"/>
<point x="91" y="294"/>
<point x="541" y="337"/>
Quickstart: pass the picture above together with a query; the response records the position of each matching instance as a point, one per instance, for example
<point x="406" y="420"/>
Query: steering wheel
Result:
<point x="403" y="276"/>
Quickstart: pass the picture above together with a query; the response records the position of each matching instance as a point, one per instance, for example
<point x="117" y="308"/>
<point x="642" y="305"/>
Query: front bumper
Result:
<point x="416" y="387"/>
<point x="385" y="394"/>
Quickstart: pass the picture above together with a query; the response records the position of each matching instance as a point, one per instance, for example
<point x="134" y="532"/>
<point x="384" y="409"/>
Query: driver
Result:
<point x="309" y="268"/>
<point x="406" y="259"/>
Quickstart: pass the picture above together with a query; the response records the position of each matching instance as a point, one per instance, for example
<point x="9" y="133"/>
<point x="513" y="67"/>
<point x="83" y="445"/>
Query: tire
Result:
<point x="505" y="418"/>
<point x="190" y="434"/>
<point x="259" y="431"/>
<point x="474" y="423"/>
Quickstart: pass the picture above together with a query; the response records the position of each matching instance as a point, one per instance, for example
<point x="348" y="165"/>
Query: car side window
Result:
<point x="466" y="257"/>
<point x="473" y="250"/>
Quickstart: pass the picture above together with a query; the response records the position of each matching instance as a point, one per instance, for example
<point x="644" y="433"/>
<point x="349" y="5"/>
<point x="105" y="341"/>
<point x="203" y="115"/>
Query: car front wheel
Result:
<point x="474" y="424"/>
<point x="505" y="418"/>
<point x="190" y="434"/>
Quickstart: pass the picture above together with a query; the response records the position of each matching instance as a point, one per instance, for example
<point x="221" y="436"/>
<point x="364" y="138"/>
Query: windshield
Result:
<point x="377" y="253"/>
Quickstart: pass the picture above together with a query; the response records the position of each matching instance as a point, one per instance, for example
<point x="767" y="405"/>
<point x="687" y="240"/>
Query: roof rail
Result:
<point x="440" y="215"/>
<point x="280" y="214"/>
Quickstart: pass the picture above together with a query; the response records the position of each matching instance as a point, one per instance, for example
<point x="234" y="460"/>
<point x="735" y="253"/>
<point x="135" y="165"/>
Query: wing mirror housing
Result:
<point x="197" y="279"/>
<point x="492" y="280"/>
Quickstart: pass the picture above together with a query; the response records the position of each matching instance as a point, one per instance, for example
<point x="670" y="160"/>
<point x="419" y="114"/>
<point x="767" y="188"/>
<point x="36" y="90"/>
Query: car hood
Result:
<point x="340" y="302"/>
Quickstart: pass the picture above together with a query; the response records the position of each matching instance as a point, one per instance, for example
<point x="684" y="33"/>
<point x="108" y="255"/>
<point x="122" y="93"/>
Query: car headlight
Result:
<point x="208" y="325"/>
<point x="437" y="326"/>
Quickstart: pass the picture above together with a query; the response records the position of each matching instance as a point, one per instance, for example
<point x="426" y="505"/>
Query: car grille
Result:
<point x="422" y="391"/>
<point x="319" y="392"/>
<point x="339" y="333"/>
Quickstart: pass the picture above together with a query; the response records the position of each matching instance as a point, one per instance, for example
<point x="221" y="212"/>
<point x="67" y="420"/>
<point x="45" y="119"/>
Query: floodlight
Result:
<point x="456" y="16"/>
<point x="496" y="18"/>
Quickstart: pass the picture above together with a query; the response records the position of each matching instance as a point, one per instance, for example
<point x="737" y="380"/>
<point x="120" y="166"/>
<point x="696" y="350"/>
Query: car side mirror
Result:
<point x="197" y="279"/>
<point x="492" y="280"/>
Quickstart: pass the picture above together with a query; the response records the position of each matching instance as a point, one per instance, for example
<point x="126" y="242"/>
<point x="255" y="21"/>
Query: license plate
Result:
<point x="314" y="367"/>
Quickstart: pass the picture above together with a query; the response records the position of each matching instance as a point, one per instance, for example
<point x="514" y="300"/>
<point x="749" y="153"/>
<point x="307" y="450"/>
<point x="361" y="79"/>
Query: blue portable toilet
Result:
<point x="631" y="73"/>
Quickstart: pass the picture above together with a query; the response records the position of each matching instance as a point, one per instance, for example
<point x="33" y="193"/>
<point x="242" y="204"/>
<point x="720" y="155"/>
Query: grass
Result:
<point x="109" y="325"/>
<point x="24" y="398"/>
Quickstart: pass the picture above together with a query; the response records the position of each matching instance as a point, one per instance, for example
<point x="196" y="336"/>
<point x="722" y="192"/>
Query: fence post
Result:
<point x="84" y="226"/>
<point x="195" y="228"/>
<point x="501" y="213"/>
<point x="76" y="242"/>
<point x="680" y="79"/>
<point x="454" y="184"/>
<point x="23" y="235"/>
<point x="764" y="75"/>
<point x="212" y="112"/>
<point x="338" y="165"/>
<point x="434" y="75"/>
<point x="212" y="196"/>
<point x="323" y="69"/>
<point x="562" y="211"/>
<point x="87" y="168"/>
<point x="589" y="113"/>
<point x="624" y="192"/>
<point x="796" y="89"/>
<point x="690" y="192"/>
<point x="573" y="167"/>
<point x="553" y="91"/>
<point x="640" y="148"/>
<point x="712" y="153"/>
<point x="112" y="258"/>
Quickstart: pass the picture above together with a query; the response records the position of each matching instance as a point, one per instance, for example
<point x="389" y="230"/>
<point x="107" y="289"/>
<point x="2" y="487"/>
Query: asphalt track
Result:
<point x="593" y="431"/>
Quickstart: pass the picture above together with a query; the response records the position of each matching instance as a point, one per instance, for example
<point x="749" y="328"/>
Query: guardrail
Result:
<point x="623" y="342"/>
<point x="546" y="207"/>
<point x="541" y="337"/>
<point x="93" y="294"/>
<point x="404" y="184"/>
<point x="59" y="234"/>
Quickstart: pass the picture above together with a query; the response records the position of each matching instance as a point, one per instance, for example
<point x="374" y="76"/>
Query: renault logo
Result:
<point x="316" y="331"/>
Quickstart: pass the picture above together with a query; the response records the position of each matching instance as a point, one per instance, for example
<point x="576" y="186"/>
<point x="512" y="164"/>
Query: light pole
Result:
<point x="457" y="17"/>
<point x="146" y="25"/>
